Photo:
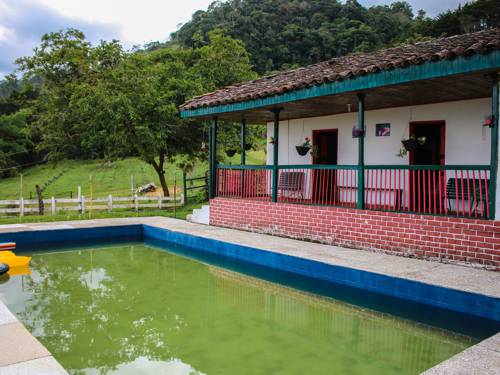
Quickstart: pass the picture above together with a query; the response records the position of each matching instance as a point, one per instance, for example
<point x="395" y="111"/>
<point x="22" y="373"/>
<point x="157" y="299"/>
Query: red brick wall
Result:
<point x="448" y="239"/>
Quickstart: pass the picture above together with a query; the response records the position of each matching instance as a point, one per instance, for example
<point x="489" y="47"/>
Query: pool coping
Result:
<point x="482" y="357"/>
<point x="20" y="352"/>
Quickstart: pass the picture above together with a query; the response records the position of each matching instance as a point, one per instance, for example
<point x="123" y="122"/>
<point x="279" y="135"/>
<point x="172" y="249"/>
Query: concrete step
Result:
<point x="200" y="215"/>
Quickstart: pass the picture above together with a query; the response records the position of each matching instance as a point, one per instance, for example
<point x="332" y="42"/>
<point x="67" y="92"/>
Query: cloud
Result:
<point x="23" y="22"/>
<point x="432" y="7"/>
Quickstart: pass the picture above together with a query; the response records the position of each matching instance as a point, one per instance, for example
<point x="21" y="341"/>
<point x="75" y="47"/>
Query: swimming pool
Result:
<point x="151" y="306"/>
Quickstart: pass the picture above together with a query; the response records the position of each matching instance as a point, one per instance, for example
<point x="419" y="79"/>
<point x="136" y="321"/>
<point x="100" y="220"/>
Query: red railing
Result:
<point x="249" y="182"/>
<point x="331" y="185"/>
<point x="439" y="190"/>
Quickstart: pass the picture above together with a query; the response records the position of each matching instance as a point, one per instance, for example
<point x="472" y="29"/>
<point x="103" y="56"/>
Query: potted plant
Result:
<point x="230" y="152"/>
<point x="305" y="147"/>
<point x="411" y="144"/>
<point x="357" y="132"/>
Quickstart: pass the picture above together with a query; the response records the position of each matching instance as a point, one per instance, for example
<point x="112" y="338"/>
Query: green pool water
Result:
<point x="136" y="309"/>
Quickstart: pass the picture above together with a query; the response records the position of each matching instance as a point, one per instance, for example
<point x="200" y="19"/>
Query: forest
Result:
<point x="282" y="34"/>
<point x="72" y="100"/>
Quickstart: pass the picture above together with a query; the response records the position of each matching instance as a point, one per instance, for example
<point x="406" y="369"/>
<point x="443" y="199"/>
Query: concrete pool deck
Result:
<point x="483" y="358"/>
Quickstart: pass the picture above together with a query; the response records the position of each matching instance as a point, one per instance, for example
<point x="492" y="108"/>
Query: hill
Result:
<point x="114" y="179"/>
<point x="280" y="34"/>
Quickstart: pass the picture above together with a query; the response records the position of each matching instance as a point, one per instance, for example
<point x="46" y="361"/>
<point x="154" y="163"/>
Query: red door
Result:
<point x="426" y="186"/>
<point x="324" y="180"/>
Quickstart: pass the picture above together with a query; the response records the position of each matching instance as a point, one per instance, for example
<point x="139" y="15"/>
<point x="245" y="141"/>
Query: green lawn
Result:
<point x="252" y="157"/>
<point x="114" y="179"/>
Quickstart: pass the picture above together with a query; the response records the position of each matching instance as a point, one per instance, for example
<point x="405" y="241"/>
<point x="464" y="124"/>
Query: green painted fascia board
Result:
<point x="428" y="70"/>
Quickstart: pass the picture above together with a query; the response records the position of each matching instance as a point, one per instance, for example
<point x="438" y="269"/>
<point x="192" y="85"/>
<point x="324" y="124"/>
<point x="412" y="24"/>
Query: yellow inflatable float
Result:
<point x="12" y="260"/>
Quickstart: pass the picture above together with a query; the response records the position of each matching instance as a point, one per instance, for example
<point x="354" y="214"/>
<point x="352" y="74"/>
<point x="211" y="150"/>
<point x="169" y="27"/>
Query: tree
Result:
<point x="15" y="143"/>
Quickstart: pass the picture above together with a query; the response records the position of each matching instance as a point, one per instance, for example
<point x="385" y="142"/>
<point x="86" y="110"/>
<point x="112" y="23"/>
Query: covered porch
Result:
<point x="359" y="168"/>
<point x="451" y="100"/>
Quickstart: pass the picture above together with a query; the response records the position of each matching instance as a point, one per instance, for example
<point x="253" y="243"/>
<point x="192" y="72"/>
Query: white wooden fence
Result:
<point x="82" y="204"/>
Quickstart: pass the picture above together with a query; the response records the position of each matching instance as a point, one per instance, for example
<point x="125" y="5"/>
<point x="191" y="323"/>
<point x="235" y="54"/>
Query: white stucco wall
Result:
<point x="467" y="141"/>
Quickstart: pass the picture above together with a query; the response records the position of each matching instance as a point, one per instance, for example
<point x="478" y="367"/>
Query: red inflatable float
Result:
<point x="7" y="246"/>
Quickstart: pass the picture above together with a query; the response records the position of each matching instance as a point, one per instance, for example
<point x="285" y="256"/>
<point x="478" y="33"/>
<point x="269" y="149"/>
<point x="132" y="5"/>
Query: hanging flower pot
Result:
<point x="410" y="144"/>
<point x="357" y="132"/>
<point x="230" y="152"/>
<point x="302" y="150"/>
<point x="305" y="147"/>
<point x="488" y="121"/>
<point x="248" y="146"/>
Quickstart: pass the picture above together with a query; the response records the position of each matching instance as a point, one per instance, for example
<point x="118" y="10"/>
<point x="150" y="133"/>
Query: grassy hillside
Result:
<point x="114" y="179"/>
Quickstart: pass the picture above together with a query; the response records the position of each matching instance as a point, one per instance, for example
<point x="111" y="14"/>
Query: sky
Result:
<point x="133" y="22"/>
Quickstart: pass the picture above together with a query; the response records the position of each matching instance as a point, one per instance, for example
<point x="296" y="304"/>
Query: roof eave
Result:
<point x="427" y="70"/>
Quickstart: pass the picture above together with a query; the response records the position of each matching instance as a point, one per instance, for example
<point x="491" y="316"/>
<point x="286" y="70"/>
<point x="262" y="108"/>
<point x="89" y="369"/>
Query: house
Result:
<point x="436" y="198"/>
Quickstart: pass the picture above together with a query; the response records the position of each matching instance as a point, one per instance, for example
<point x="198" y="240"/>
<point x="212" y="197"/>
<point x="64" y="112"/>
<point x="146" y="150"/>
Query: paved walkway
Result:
<point x="483" y="358"/>
<point x="20" y="352"/>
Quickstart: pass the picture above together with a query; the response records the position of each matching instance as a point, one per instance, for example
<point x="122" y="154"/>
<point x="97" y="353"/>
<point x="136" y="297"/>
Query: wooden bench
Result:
<point x="292" y="182"/>
<point x="374" y="196"/>
<point x="472" y="190"/>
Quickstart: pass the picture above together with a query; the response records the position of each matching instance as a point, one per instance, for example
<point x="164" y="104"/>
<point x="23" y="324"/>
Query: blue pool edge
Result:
<point x="474" y="304"/>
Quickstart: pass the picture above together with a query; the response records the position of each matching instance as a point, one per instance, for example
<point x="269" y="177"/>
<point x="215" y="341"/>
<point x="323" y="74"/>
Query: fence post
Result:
<point x="79" y="197"/>
<point x="136" y="203"/>
<point x="206" y="188"/>
<point x="82" y="204"/>
<point x="110" y="203"/>
<point x="53" y="205"/>
<point x="175" y="195"/>
<point x="41" y="207"/>
<point x="21" y="206"/>
<point x="160" y="201"/>
<point x="184" y="183"/>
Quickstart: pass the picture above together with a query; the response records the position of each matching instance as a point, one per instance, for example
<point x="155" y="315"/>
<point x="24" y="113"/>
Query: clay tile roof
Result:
<point x="341" y="68"/>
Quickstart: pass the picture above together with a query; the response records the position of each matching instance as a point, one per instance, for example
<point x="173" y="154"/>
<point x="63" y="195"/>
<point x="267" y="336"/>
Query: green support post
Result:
<point x="213" y="159"/>
<point x="243" y="140"/>
<point x="494" y="146"/>
<point x="361" y="152"/>
<point x="276" y="137"/>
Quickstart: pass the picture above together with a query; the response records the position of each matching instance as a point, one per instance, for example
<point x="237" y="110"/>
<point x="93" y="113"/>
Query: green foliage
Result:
<point x="473" y="16"/>
<point x="223" y="61"/>
<point x="281" y="34"/>
<point x="15" y="144"/>
<point x="100" y="102"/>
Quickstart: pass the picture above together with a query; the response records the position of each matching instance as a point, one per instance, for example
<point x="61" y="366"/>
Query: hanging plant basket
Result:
<point x="410" y="144"/>
<point x="230" y="152"/>
<point x="302" y="150"/>
<point x="248" y="146"/>
<point x="357" y="132"/>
